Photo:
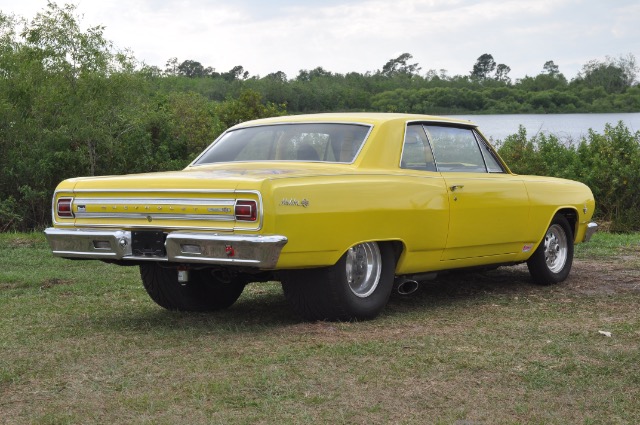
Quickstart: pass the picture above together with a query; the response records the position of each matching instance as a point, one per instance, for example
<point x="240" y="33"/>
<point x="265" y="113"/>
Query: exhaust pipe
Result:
<point x="407" y="287"/>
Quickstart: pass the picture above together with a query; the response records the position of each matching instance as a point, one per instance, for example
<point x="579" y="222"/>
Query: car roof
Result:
<point x="372" y="118"/>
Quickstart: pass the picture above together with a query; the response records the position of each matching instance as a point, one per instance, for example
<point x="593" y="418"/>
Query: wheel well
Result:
<point x="572" y="217"/>
<point x="397" y="247"/>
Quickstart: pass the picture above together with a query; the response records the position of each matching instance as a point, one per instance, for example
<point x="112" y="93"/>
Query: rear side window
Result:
<point x="416" y="151"/>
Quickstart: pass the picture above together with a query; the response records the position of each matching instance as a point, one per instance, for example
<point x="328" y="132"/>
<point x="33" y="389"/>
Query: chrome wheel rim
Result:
<point x="556" y="248"/>
<point x="363" y="268"/>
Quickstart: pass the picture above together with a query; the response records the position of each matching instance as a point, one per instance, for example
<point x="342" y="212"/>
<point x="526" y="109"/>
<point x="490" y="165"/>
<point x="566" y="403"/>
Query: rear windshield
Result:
<point x="320" y="142"/>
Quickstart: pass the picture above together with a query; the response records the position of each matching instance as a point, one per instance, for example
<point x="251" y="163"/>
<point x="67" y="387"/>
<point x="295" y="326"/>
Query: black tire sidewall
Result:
<point x="324" y="293"/>
<point x="537" y="265"/>
<point x="370" y="306"/>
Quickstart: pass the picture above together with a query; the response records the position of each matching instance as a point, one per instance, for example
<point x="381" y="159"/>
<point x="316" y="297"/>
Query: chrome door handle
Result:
<point x="456" y="187"/>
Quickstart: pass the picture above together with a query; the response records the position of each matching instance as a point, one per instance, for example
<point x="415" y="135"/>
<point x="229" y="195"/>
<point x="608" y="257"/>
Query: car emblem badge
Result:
<point x="291" y="202"/>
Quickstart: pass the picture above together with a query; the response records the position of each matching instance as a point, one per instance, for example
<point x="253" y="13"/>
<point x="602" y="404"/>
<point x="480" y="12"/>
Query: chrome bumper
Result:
<point x="591" y="229"/>
<point x="180" y="247"/>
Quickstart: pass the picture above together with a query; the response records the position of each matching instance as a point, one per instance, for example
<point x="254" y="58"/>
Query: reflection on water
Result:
<point x="568" y="127"/>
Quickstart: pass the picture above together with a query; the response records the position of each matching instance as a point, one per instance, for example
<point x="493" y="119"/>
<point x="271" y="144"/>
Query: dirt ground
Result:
<point x="620" y="275"/>
<point x="605" y="277"/>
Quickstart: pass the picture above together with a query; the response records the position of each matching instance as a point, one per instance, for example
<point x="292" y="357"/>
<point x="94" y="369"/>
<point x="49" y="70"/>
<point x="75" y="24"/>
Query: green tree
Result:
<point x="502" y="73"/>
<point x="277" y="76"/>
<point x="64" y="106"/>
<point x="400" y="66"/>
<point x="484" y="66"/>
<point x="236" y="73"/>
<point x="191" y="69"/>
<point x="248" y="106"/>
<point x="614" y="75"/>
<point x="171" y="67"/>
<point x="542" y="82"/>
<point x="550" y="68"/>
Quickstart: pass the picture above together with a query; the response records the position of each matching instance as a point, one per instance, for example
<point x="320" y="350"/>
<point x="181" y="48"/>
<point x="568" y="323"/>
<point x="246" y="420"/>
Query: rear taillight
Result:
<point x="64" y="209"/>
<point x="246" y="210"/>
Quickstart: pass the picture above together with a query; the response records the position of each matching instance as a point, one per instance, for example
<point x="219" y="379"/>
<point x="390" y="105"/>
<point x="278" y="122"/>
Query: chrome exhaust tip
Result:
<point x="407" y="287"/>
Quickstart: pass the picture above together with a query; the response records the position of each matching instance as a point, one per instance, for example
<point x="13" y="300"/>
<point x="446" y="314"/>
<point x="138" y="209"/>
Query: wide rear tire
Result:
<point x="551" y="262"/>
<point x="357" y="287"/>
<point x="203" y="292"/>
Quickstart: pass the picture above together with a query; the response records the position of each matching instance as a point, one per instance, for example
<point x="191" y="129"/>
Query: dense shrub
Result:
<point x="609" y="163"/>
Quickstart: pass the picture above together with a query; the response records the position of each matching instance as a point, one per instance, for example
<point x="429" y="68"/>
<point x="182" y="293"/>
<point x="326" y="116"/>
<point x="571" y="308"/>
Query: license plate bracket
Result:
<point x="148" y="243"/>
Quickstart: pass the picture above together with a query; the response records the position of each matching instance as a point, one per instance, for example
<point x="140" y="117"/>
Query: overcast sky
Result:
<point x="362" y="35"/>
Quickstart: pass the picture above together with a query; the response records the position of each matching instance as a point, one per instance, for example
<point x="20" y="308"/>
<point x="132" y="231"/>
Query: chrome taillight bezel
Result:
<point x="246" y="210"/>
<point x="64" y="207"/>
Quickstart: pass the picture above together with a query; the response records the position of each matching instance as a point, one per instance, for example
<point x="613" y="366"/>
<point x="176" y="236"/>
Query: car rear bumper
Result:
<point x="257" y="251"/>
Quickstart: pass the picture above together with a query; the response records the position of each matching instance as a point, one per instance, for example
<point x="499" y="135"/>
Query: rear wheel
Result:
<point x="357" y="287"/>
<point x="203" y="292"/>
<point x="551" y="262"/>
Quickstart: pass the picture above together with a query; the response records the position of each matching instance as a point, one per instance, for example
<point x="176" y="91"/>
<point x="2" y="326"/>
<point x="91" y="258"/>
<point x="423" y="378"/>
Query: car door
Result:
<point x="488" y="207"/>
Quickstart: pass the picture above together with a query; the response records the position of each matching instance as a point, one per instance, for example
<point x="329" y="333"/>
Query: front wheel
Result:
<point x="551" y="262"/>
<point x="357" y="287"/>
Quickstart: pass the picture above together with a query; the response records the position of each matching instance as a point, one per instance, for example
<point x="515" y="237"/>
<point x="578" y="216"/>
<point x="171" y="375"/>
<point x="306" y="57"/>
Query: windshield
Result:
<point x="321" y="142"/>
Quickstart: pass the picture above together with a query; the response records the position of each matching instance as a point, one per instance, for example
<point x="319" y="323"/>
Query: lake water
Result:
<point x="567" y="127"/>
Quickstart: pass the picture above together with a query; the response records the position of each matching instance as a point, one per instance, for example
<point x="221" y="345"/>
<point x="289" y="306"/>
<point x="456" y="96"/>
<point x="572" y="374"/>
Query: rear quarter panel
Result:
<point x="323" y="216"/>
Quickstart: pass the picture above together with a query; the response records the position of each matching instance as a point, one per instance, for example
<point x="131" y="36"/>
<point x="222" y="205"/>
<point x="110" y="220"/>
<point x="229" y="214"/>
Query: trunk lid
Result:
<point x="195" y="199"/>
<point x="217" y="197"/>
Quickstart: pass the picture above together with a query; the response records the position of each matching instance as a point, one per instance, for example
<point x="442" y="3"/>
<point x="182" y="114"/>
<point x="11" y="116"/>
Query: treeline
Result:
<point x="73" y="105"/>
<point x="601" y="86"/>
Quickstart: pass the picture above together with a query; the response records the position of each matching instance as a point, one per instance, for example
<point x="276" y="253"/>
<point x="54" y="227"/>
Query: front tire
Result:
<point x="551" y="262"/>
<point x="203" y="292"/>
<point x="357" y="287"/>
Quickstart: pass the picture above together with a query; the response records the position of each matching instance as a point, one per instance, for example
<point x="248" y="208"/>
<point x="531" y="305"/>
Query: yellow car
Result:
<point x="341" y="208"/>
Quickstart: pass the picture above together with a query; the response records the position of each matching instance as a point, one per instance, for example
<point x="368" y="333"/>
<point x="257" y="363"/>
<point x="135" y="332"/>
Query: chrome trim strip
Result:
<point x="154" y="226"/>
<point x="230" y="191"/>
<point x="210" y="217"/>
<point x="591" y="229"/>
<point x="242" y="250"/>
<point x="152" y="201"/>
<point x="452" y="122"/>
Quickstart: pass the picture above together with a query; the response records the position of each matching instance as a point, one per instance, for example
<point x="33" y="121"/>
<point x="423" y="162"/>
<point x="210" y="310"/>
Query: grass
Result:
<point x="610" y="245"/>
<point x="81" y="342"/>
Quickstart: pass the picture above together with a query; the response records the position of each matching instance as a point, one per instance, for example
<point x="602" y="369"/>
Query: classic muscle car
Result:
<point x="340" y="208"/>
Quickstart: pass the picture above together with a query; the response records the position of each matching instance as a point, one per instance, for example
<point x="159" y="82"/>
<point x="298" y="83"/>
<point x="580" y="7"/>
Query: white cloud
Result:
<point x="362" y="35"/>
